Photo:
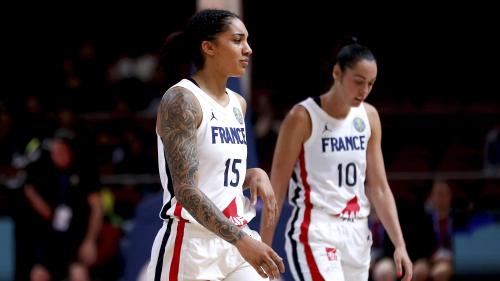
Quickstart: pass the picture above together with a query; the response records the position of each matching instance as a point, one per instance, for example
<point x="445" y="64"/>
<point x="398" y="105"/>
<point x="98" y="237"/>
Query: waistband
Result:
<point x="321" y="214"/>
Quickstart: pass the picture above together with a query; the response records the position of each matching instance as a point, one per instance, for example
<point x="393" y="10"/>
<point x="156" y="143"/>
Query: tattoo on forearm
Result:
<point x="178" y="116"/>
<point x="206" y="213"/>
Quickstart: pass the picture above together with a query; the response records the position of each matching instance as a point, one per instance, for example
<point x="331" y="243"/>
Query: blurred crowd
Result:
<point x="78" y="168"/>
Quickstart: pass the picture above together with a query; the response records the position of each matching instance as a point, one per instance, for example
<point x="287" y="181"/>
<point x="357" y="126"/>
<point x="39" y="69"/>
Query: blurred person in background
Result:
<point x="63" y="194"/>
<point x="439" y="208"/>
<point x="429" y="240"/>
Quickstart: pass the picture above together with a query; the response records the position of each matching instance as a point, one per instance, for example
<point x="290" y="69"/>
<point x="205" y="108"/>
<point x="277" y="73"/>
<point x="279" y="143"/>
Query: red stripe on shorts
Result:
<point x="174" y="266"/>
<point x="304" y="227"/>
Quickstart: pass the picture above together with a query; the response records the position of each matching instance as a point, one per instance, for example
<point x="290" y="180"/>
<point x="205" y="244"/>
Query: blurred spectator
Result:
<point x="417" y="229"/>
<point x="33" y="117"/>
<point x="132" y="156"/>
<point x="173" y="64"/>
<point x="492" y="151"/>
<point x="382" y="267"/>
<point x="265" y="125"/>
<point x="429" y="240"/>
<point x="67" y="213"/>
<point x="143" y="68"/>
<point x="82" y="80"/>
<point x="439" y="208"/>
<point x="7" y="144"/>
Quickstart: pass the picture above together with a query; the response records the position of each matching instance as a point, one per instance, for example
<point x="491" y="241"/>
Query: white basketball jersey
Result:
<point x="222" y="151"/>
<point x="330" y="172"/>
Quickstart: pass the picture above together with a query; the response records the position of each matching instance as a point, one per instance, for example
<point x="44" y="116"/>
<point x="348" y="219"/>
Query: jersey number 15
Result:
<point x="234" y="170"/>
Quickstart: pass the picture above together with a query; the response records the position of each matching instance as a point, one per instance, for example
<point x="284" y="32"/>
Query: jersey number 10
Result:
<point x="350" y="169"/>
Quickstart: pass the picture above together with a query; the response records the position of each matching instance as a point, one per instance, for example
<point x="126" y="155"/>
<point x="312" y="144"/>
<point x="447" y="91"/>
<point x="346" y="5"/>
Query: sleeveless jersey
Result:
<point x="330" y="172"/>
<point x="222" y="151"/>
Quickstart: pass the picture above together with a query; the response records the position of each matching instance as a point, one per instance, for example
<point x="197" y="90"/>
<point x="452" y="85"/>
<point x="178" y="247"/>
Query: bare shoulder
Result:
<point x="298" y="122"/>
<point x="178" y="106"/>
<point x="373" y="117"/>
<point x="242" y="101"/>
<point x="370" y="110"/>
<point x="178" y="96"/>
<point x="298" y="115"/>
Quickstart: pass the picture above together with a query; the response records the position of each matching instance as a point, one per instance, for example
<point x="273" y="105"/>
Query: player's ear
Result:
<point x="336" y="72"/>
<point x="207" y="47"/>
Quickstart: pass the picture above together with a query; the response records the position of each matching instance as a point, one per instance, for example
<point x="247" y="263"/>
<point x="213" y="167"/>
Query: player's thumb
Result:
<point x="253" y="197"/>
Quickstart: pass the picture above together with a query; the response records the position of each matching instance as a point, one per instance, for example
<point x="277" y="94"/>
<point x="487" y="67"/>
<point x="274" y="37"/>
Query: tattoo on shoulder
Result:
<point x="177" y="127"/>
<point x="178" y="116"/>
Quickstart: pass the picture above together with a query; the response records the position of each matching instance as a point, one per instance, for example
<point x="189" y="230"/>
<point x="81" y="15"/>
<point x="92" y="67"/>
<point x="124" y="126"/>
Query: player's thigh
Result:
<point x="315" y="261"/>
<point x="355" y="273"/>
<point x="356" y="250"/>
<point x="319" y="256"/>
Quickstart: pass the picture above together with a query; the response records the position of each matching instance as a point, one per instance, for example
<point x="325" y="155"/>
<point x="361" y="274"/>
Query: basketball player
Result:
<point x="330" y="147"/>
<point x="202" y="155"/>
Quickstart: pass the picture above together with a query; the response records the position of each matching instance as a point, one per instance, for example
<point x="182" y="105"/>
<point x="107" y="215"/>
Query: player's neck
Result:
<point x="334" y="105"/>
<point x="213" y="85"/>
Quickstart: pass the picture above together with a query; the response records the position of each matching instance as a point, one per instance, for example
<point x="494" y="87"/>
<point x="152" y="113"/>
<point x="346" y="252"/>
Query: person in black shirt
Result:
<point x="68" y="215"/>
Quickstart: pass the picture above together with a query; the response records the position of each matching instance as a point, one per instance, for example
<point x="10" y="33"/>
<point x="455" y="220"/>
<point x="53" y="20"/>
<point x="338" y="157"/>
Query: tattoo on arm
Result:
<point x="179" y="114"/>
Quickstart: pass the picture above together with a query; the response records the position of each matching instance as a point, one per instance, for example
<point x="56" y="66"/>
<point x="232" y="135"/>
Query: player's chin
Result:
<point x="356" y="103"/>
<point x="238" y="73"/>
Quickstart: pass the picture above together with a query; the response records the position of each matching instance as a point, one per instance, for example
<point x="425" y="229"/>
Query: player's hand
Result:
<point x="263" y="259"/>
<point x="260" y="185"/>
<point x="402" y="260"/>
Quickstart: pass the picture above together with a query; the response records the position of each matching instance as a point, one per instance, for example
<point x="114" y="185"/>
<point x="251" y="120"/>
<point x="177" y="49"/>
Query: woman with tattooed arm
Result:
<point x="202" y="153"/>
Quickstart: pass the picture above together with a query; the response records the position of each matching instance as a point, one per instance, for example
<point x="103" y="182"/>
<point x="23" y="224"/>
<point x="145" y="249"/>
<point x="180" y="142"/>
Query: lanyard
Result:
<point x="437" y="230"/>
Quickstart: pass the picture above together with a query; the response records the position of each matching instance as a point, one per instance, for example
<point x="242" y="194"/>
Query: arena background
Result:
<point x="436" y="94"/>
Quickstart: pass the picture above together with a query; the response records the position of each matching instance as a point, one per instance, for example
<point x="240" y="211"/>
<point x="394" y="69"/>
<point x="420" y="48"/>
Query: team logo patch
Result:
<point x="326" y="129"/>
<point x="213" y="117"/>
<point x="238" y="115"/>
<point x="331" y="253"/>
<point x="359" y="124"/>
